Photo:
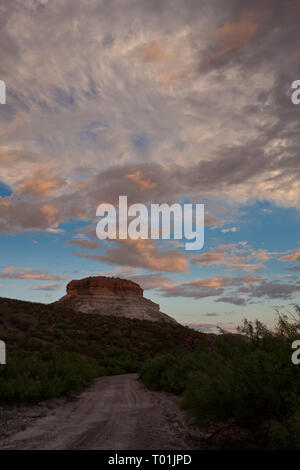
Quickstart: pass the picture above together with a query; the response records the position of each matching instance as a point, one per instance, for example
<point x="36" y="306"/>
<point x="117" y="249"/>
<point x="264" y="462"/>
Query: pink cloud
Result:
<point x="141" y="254"/>
<point x="15" y="272"/>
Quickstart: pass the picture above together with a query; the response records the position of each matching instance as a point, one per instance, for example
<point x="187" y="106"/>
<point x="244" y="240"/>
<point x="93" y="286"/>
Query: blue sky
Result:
<point x="51" y="254"/>
<point x="167" y="102"/>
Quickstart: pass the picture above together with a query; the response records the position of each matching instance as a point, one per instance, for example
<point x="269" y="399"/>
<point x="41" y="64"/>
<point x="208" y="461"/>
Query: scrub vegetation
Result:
<point x="52" y="351"/>
<point x="247" y="378"/>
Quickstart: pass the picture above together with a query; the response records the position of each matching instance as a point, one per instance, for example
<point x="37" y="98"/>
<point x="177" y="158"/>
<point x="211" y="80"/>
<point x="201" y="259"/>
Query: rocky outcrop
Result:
<point x="112" y="296"/>
<point x="105" y="287"/>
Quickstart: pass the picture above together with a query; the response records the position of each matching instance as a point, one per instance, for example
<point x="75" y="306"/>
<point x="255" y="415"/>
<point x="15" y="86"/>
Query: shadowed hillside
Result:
<point x="45" y="343"/>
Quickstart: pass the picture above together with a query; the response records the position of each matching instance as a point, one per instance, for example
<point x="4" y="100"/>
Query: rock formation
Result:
<point x="112" y="296"/>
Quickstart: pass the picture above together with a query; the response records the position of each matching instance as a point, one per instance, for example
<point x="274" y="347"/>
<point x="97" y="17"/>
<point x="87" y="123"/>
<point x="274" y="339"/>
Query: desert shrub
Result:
<point x="248" y="377"/>
<point x="45" y="375"/>
<point x="32" y="344"/>
<point x="171" y="371"/>
<point x="22" y="322"/>
<point x="284" y="434"/>
<point x="251" y="387"/>
<point x="153" y="371"/>
<point x="120" y="361"/>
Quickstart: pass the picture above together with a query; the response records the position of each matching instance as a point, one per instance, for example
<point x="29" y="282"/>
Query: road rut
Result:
<point x="117" y="413"/>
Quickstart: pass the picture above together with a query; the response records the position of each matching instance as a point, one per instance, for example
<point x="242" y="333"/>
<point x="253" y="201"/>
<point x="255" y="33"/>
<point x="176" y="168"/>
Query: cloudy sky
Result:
<point x="162" y="101"/>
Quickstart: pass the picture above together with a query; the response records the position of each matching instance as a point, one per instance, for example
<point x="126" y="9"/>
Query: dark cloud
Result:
<point x="251" y="32"/>
<point x="294" y="268"/>
<point x="194" y="292"/>
<point x="232" y="300"/>
<point x="9" y="49"/>
<point x="274" y="290"/>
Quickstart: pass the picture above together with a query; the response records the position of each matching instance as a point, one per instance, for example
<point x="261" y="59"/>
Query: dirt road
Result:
<point x="117" y="413"/>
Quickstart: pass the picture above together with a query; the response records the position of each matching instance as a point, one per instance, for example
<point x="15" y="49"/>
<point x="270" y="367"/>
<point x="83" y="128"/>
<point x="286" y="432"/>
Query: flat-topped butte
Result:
<point x="112" y="296"/>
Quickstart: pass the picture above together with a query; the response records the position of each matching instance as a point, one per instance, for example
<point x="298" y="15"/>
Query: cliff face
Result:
<point x="105" y="287"/>
<point x="112" y="296"/>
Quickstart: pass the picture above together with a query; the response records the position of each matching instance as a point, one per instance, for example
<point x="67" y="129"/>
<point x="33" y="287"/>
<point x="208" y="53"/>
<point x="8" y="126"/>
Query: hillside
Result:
<point x="38" y="336"/>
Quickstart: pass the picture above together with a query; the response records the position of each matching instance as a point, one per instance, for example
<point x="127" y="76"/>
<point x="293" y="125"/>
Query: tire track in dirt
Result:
<point x="117" y="413"/>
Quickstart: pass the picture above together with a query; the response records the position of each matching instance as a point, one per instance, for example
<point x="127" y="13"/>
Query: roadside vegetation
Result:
<point x="248" y="379"/>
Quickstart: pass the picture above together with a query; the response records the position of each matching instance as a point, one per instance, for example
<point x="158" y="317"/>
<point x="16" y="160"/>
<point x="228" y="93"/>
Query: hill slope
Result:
<point x="45" y="343"/>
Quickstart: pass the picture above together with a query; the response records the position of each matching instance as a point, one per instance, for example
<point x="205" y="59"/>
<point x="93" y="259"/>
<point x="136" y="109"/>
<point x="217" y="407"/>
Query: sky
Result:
<point x="165" y="102"/>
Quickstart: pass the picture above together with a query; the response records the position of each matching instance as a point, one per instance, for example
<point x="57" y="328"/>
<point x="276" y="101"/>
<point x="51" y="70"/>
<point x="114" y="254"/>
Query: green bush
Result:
<point x="248" y="377"/>
<point x="169" y="372"/>
<point x="45" y="375"/>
